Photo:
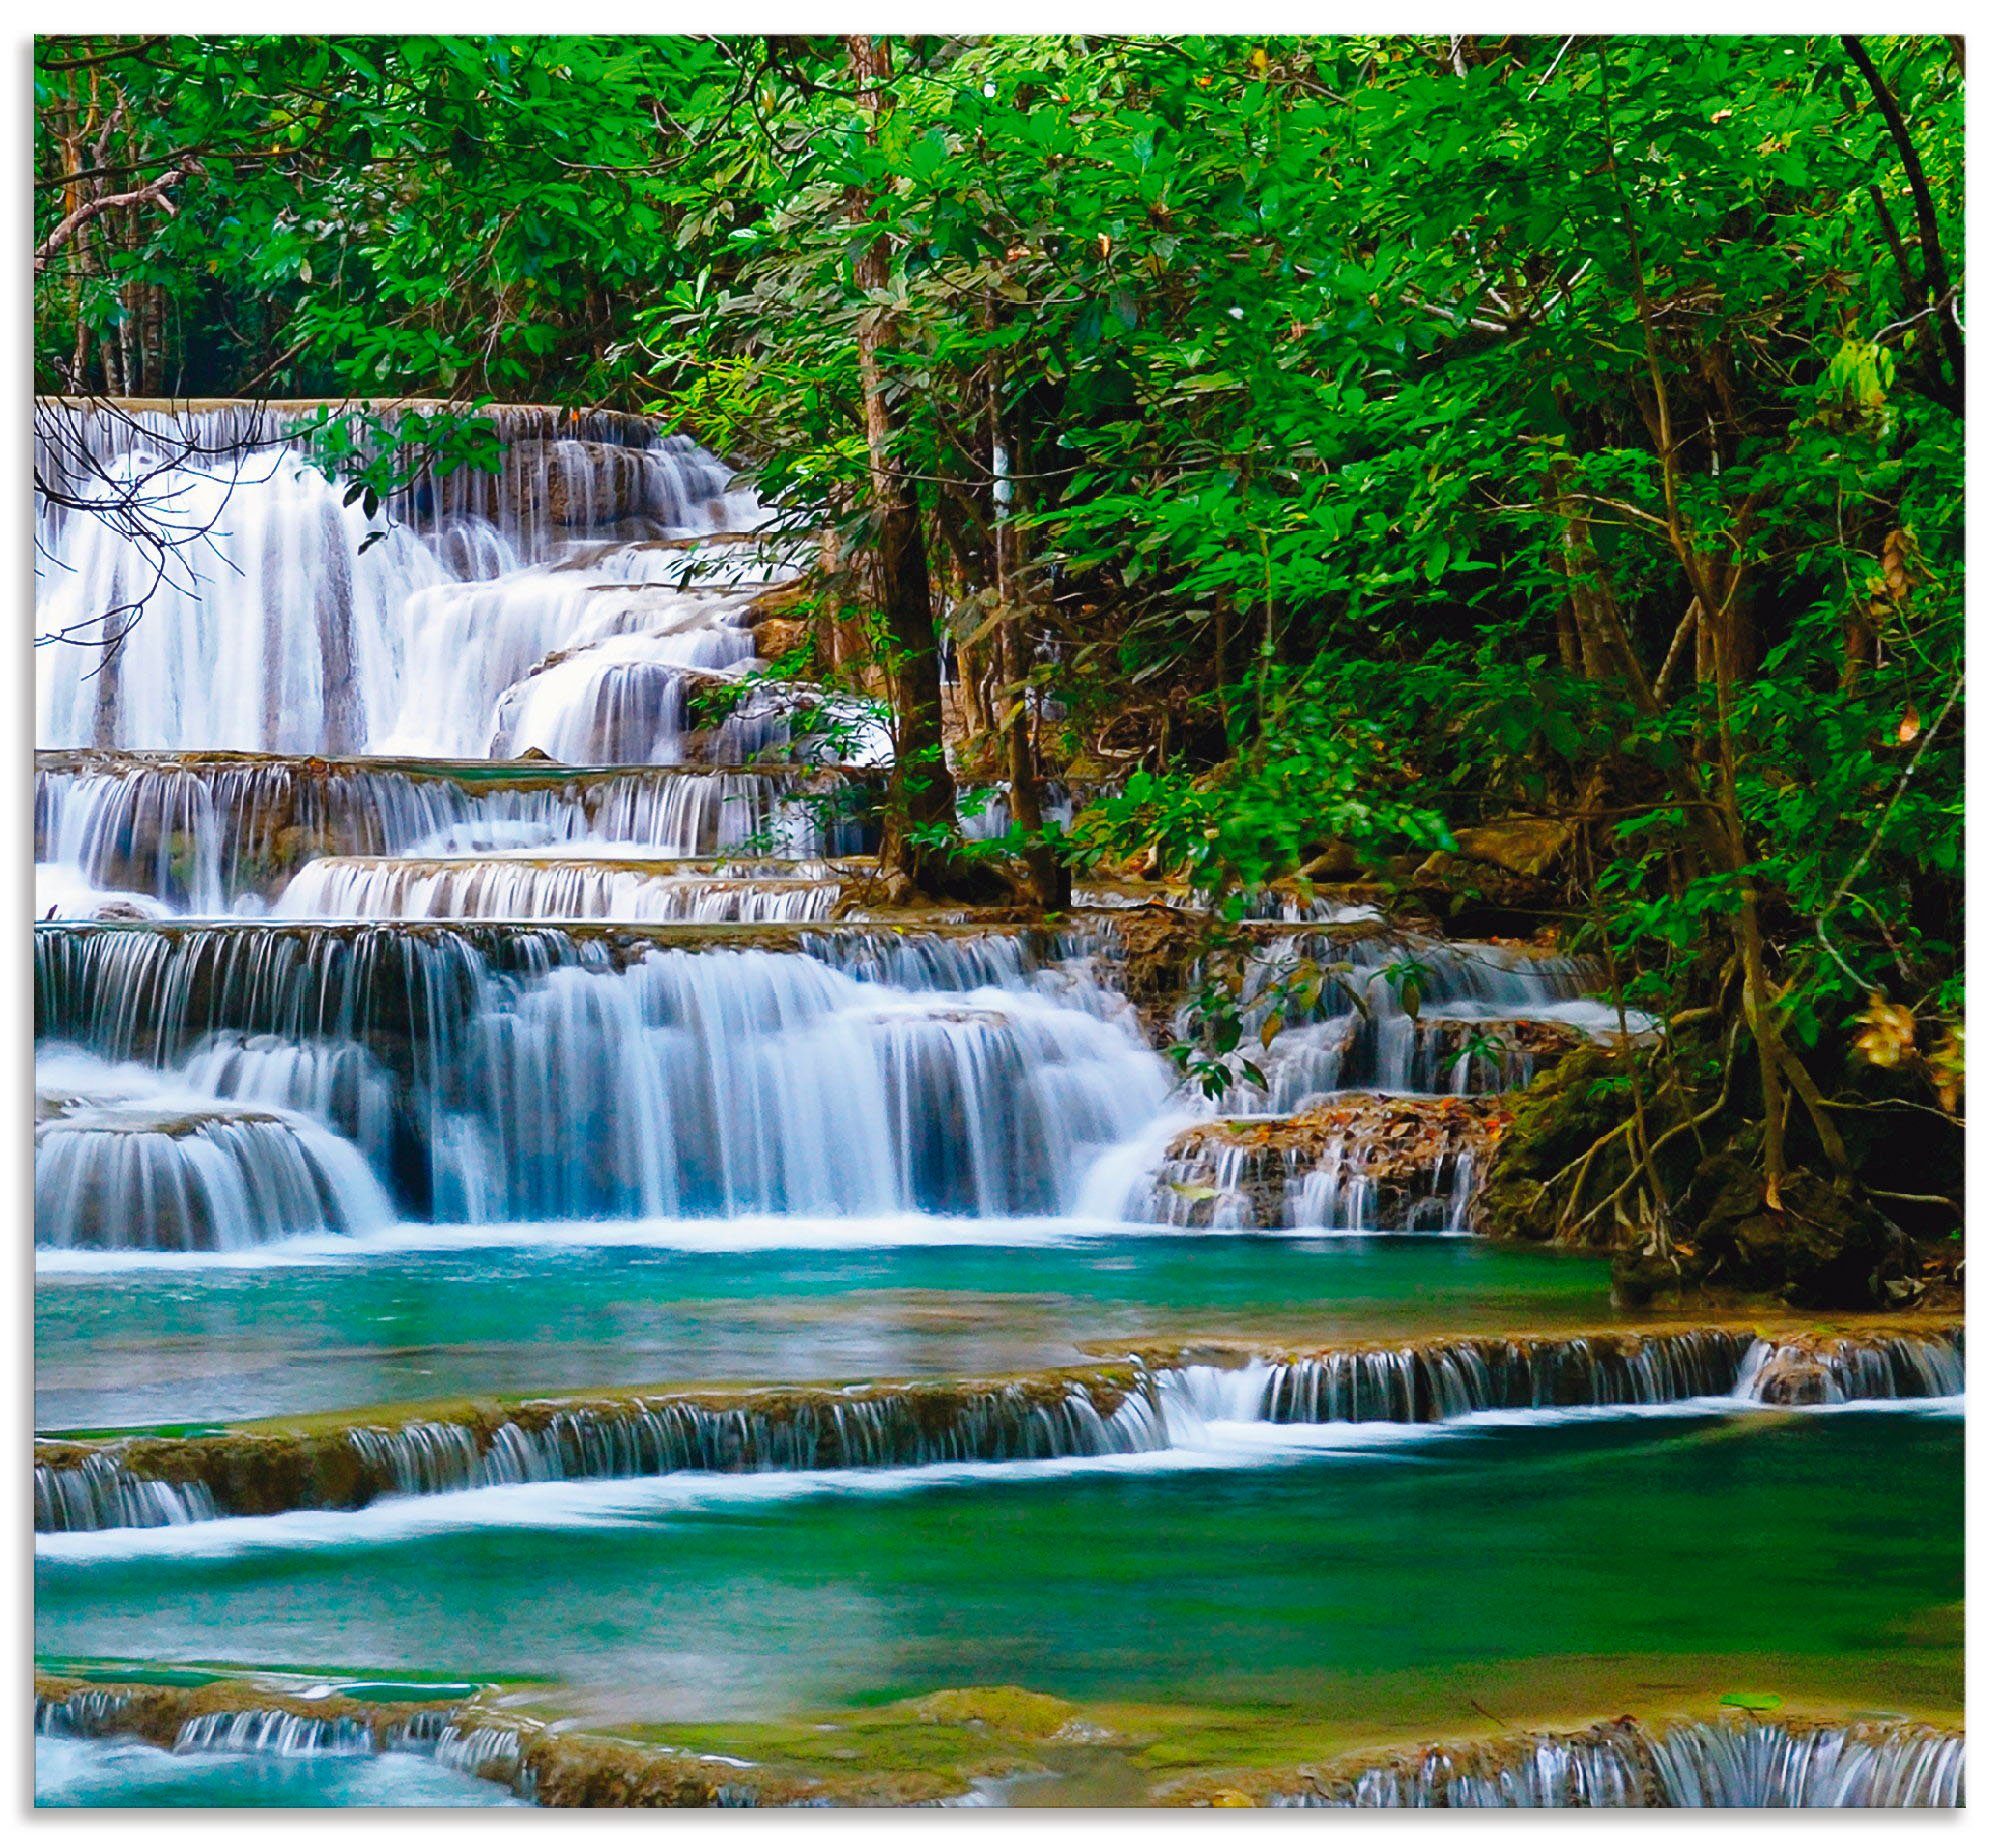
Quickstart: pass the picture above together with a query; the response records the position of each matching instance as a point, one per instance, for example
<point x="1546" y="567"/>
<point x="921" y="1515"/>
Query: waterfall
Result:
<point x="273" y="1730"/>
<point x="1345" y="1007"/>
<point x="1446" y="1379"/>
<point x="82" y="1714"/>
<point x="206" y="835"/>
<point x="100" y="1493"/>
<point x="1144" y="1406"/>
<point x="1686" y="1764"/>
<point x="542" y="889"/>
<point x="554" y="1075"/>
<point x="958" y="1425"/>
<point x="1366" y="1164"/>
<point x="263" y="624"/>
<point x="127" y="1159"/>
<point x="1824" y="1370"/>
<point x="214" y="589"/>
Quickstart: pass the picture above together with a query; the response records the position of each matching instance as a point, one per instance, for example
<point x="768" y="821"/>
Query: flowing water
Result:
<point x="452" y="997"/>
<point x="1337" y="1579"/>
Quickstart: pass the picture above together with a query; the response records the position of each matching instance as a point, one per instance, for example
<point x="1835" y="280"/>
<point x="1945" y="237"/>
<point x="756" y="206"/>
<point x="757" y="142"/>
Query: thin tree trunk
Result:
<point x="921" y="794"/>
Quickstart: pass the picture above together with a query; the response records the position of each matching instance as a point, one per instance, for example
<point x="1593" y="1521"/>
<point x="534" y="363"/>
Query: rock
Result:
<point x="1826" y="1245"/>
<point x="1337" y="863"/>
<point x="1638" y="1279"/>
<point x="1504" y="867"/>
<point x="1527" y="847"/>
<point x="1556" y="1118"/>
<point x="577" y="484"/>
<point x="776" y="636"/>
<point x="1794" y="1378"/>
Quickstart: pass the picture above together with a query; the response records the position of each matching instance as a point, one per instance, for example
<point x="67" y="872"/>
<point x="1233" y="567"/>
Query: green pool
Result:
<point x="1423" y="1582"/>
<point x="178" y="1340"/>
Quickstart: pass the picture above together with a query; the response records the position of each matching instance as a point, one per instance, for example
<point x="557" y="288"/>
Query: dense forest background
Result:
<point x="1520" y="478"/>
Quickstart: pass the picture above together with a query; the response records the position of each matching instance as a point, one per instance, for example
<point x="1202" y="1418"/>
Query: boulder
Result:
<point x="777" y="636"/>
<point x="1825" y="1246"/>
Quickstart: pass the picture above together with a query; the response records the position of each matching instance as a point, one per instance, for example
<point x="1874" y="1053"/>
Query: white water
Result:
<point x="125" y="1159"/>
<point x="490" y="1076"/>
<point x="253" y="608"/>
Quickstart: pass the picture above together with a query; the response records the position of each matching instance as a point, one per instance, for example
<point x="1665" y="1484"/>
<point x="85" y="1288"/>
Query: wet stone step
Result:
<point x="1148" y="1402"/>
<point x="1734" y="1761"/>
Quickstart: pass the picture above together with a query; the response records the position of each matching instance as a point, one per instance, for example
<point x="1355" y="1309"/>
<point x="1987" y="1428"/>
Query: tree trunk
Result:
<point x="920" y="786"/>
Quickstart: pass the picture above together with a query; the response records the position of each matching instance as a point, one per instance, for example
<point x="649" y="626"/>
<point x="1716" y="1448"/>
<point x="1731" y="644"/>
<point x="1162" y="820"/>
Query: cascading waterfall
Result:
<point x="1442" y="1381"/>
<point x="205" y="835"/>
<point x="1829" y="1370"/>
<point x="229" y="594"/>
<point x="566" y="1077"/>
<point x="83" y="1714"/>
<point x="100" y="1493"/>
<point x="1401" y="1014"/>
<point x="1681" y="1765"/>
<point x="453" y="1733"/>
<point x="272" y="1730"/>
<point x="545" y="889"/>
<point x="1141" y="1408"/>
<point x="263" y="623"/>
<point x="966" y="1426"/>
<point x="1339" y="1177"/>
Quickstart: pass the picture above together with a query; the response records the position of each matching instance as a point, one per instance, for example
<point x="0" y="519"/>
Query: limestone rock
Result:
<point x="776" y="636"/>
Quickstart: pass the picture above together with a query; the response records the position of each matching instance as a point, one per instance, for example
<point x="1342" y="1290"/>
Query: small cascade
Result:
<point x="273" y="1730"/>
<point x="509" y="664"/>
<point x="317" y="1721"/>
<point x="124" y="1159"/>
<point x="1360" y="1165"/>
<point x="1687" y="1764"/>
<point x="205" y="835"/>
<point x="418" y="1732"/>
<point x="339" y="1084"/>
<point x="1445" y="1379"/>
<point x="1399" y="1014"/>
<point x="965" y="1425"/>
<point x="1819" y="1371"/>
<point x="485" y="1750"/>
<point x="1144" y="1405"/>
<point x="549" y="888"/>
<point x="82" y="1714"/>
<point x="100" y="1493"/>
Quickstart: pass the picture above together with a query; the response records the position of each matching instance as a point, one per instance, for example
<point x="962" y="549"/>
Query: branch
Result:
<point x="156" y="193"/>
<point x="1927" y="227"/>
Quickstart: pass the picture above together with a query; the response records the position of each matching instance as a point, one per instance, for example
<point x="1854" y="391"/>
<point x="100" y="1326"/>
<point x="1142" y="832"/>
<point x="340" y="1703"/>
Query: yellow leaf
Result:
<point x="1906" y="730"/>
<point x="1888" y="1033"/>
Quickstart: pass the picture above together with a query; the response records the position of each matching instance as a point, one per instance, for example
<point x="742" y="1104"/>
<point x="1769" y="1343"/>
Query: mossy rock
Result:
<point x="1825" y="1246"/>
<point x="1556" y="1118"/>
